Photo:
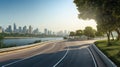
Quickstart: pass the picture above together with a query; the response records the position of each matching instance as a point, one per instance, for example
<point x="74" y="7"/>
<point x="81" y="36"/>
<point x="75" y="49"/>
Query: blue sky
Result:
<point x="52" y="14"/>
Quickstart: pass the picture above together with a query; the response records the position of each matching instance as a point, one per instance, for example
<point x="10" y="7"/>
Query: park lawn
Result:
<point x="112" y="51"/>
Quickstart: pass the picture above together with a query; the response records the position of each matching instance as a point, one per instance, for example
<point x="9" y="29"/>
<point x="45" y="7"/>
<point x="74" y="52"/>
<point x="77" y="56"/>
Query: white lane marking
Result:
<point x="92" y="57"/>
<point x="62" y="58"/>
<point x="25" y="58"/>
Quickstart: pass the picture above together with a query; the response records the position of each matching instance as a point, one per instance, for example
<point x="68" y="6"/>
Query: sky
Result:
<point x="54" y="15"/>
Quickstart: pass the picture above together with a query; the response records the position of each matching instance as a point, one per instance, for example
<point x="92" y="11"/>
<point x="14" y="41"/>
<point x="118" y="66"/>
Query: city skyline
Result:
<point x="14" y="28"/>
<point x="53" y="14"/>
<point x="19" y="29"/>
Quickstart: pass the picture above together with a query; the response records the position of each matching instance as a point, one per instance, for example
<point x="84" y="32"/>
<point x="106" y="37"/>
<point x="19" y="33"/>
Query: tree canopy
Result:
<point x="72" y="33"/>
<point x="105" y="12"/>
<point x="89" y="32"/>
<point x="79" y="32"/>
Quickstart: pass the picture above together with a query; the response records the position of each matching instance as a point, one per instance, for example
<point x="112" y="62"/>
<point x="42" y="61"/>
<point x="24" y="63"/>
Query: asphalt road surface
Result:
<point x="57" y="54"/>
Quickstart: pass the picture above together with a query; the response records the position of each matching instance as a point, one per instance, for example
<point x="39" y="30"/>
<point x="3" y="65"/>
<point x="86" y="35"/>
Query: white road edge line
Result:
<point x="25" y="58"/>
<point x="62" y="57"/>
<point x="92" y="57"/>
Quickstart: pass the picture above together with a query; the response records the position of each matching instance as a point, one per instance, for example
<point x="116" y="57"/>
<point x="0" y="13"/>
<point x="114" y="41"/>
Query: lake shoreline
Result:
<point x="26" y="37"/>
<point x="18" y="37"/>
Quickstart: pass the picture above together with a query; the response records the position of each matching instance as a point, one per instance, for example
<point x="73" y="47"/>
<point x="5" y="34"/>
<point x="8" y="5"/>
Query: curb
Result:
<point x="105" y="59"/>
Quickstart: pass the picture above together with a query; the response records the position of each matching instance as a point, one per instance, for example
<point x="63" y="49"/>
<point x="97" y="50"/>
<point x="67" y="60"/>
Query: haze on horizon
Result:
<point x="52" y="14"/>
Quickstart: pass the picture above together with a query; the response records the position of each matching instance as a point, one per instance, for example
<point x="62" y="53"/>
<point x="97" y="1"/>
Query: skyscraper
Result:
<point x="36" y="31"/>
<point x="24" y="29"/>
<point x="9" y="29"/>
<point x="30" y="29"/>
<point x="15" y="28"/>
<point x="20" y="29"/>
<point x="45" y="31"/>
<point x="49" y="32"/>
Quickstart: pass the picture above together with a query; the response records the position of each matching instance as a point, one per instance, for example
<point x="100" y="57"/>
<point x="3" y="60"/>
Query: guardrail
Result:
<point x="106" y="60"/>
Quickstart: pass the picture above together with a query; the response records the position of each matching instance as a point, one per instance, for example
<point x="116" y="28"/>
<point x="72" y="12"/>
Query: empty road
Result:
<point x="56" y="54"/>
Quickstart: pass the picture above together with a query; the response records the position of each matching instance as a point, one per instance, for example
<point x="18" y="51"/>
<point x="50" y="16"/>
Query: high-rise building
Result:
<point x="49" y="32"/>
<point x="0" y="29"/>
<point x="9" y="29"/>
<point x="36" y="31"/>
<point x="15" y="28"/>
<point x="45" y="31"/>
<point x="25" y="29"/>
<point x="20" y="29"/>
<point x="30" y="29"/>
<point x="53" y="33"/>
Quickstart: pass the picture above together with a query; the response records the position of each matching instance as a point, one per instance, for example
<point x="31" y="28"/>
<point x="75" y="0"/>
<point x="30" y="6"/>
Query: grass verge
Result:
<point x="112" y="51"/>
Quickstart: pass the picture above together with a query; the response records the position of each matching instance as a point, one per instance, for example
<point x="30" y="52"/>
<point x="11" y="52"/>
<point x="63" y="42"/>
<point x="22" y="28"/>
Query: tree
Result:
<point x="89" y="32"/>
<point x="99" y="31"/>
<point x="79" y="32"/>
<point x="99" y="34"/>
<point x="72" y="33"/>
<point x="105" y="12"/>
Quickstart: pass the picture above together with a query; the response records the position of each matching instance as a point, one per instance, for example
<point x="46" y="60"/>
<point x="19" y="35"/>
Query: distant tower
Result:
<point x="45" y="31"/>
<point x="25" y="29"/>
<point x="30" y="29"/>
<point x="10" y="29"/>
<point x="20" y="29"/>
<point x="14" y="28"/>
<point x="36" y="31"/>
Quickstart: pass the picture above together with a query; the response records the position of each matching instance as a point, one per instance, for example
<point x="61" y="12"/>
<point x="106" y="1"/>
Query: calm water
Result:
<point x="27" y="41"/>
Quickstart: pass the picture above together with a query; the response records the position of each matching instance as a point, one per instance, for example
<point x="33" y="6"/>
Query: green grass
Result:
<point x="112" y="51"/>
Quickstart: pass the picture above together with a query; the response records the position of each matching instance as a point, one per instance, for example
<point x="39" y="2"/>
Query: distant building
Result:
<point x="20" y="29"/>
<point x="45" y="31"/>
<point x="15" y="28"/>
<point x="30" y="29"/>
<point x="27" y="31"/>
<point x="24" y="29"/>
<point x="49" y="32"/>
<point x="36" y="31"/>
<point x="0" y="29"/>
<point x="53" y="33"/>
<point x="9" y="29"/>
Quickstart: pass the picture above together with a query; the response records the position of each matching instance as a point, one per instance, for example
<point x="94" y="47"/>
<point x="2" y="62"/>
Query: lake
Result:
<point x="27" y="41"/>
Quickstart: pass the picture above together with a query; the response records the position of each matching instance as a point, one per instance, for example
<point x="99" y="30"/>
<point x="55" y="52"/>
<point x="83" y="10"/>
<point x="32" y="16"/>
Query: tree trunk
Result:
<point x="118" y="32"/>
<point x="112" y="36"/>
<point x="108" y="36"/>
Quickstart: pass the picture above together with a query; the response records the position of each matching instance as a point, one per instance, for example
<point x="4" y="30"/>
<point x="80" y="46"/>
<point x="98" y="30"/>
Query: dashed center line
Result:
<point x="62" y="57"/>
